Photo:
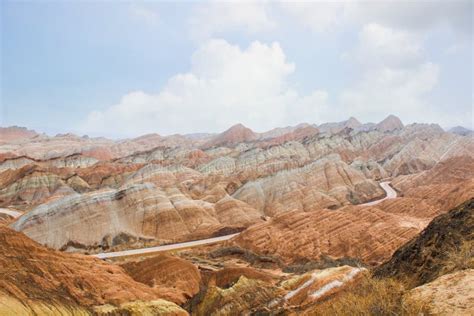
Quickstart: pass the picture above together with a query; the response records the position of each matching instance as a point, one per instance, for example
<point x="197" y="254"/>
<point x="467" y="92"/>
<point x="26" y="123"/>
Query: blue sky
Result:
<point x="121" y="69"/>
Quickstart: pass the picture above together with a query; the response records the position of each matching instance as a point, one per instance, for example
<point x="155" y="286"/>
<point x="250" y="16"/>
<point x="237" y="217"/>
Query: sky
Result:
<point x="123" y="69"/>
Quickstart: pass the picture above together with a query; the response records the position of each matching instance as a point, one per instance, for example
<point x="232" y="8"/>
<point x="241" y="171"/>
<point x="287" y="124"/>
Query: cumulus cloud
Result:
<point x="215" y="18"/>
<point x="228" y="84"/>
<point x="392" y="90"/>
<point x="225" y="85"/>
<point x="383" y="46"/>
<point x="395" y="76"/>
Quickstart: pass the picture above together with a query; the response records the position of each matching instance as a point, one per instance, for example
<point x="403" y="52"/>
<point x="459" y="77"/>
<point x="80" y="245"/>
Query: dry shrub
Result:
<point x="372" y="296"/>
<point x="461" y="259"/>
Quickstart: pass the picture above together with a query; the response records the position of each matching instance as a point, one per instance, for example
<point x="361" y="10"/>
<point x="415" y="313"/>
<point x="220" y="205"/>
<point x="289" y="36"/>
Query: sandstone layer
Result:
<point x="177" y="280"/>
<point x="36" y="279"/>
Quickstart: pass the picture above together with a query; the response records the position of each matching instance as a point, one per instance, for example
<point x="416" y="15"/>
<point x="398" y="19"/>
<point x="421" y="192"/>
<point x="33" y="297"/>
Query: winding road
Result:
<point x="181" y="245"/>
<point x="390" y="194"/>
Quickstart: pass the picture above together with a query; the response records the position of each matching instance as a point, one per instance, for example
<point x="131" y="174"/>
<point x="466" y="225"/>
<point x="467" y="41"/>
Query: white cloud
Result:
<point x="395" y="77"/>
<point x="215" y="18"/>
<point x="225" y="85"/>
<point x="392" y="90"/>
<point x="383" y="46"/>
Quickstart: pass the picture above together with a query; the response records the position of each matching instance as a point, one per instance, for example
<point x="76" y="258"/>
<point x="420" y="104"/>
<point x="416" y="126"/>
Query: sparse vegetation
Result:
<point x="372" y="296"/>
<point x="461" y="259"/>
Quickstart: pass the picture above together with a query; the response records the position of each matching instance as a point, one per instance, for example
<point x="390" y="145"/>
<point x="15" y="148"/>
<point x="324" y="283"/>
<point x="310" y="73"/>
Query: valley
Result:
<point x="280" y="222"/>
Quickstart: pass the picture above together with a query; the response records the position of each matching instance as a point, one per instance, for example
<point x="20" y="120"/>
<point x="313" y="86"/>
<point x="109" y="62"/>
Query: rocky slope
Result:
<point x="37" y="280"/>
<point x="257" y="292"/>
<point x="450" y="294"/>
<point x="434" y="252"/>
<point x="366" y="233"/>
<point x="176" y="280"/>
<point x="106" y="218"/>
<point x="327" y="182"/>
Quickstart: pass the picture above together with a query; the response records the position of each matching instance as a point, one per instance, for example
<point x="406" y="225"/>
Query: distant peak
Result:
<point x="352" y="122"/>
<point x="390" y="123"/>
<point x="460" y="130"/>
<point x="148" y="136"/>
<point x="238" y="126"/>
<point x="235" y="134"/>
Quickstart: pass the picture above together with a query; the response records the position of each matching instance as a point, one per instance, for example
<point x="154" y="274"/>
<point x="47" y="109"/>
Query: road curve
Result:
<point x="181" y="245"/>
<point x="391" y="194"/>
<point x="12" y="213"/>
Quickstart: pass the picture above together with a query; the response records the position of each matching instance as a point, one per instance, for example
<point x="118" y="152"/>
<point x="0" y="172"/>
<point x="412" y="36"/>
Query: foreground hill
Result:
<point x="37" y="280"/>
<point x="432" y="274"/>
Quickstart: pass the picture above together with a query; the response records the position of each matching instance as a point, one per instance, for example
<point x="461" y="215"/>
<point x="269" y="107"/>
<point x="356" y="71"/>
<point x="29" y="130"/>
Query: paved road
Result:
<point x="391" y="194"/>
<point x="12" y="213"/>
<point x="177" y="246"/>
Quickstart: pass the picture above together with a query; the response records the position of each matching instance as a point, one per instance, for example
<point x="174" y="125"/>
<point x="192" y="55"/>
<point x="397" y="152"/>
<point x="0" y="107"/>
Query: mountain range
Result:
<point x="308" y="204"/>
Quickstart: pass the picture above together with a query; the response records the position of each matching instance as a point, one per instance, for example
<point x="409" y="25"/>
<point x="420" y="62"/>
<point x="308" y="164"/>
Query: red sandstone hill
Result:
<point x="368" y="234"/>
<point x="37" y="279"/>
<point x="234" y="135"/>
<point x="176" y="279"/>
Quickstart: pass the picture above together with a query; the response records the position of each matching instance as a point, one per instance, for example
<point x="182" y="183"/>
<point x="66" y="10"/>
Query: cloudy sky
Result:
<point x="121" y="69"/>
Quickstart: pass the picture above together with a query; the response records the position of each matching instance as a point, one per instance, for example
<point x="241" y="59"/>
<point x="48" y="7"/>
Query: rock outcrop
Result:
<point x="244" y="296"/>
<point x="176" y="279"/>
